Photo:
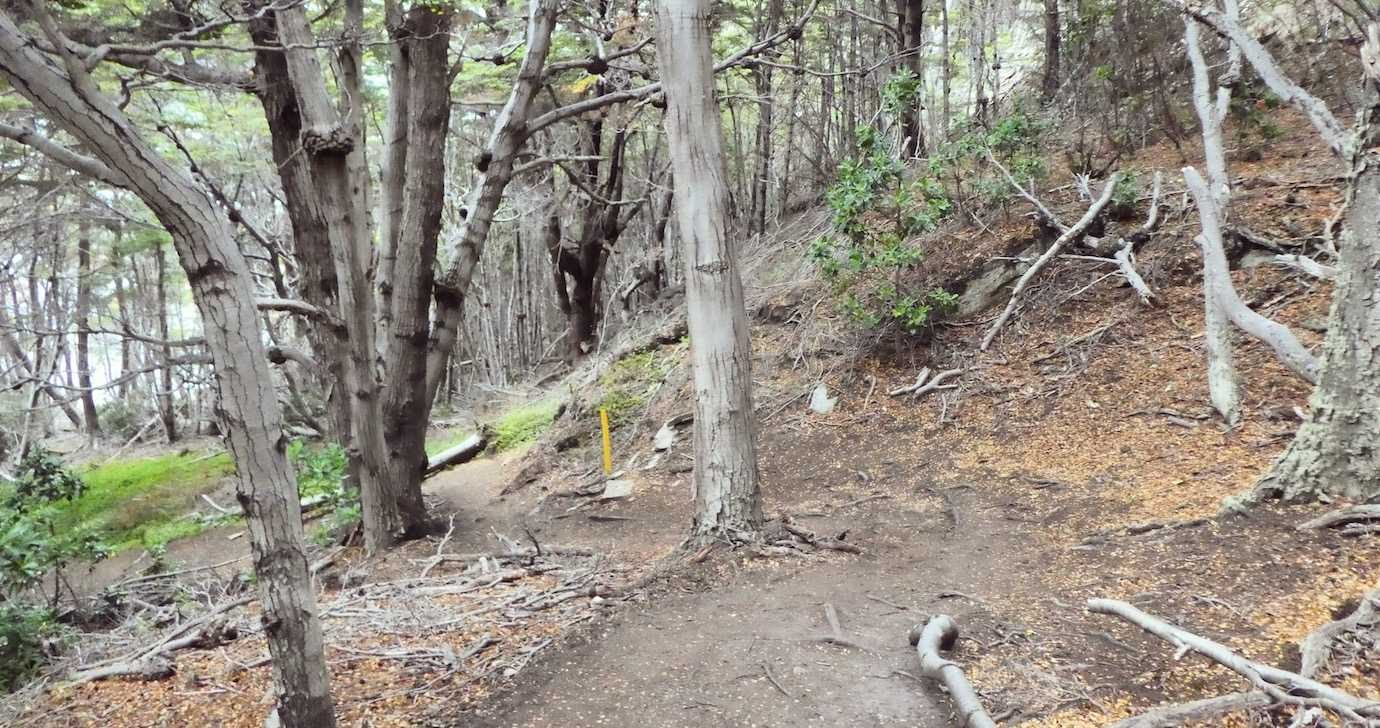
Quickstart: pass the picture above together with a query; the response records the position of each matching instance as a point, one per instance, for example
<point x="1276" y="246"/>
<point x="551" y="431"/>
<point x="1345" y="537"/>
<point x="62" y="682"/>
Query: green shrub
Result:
<point x="321" y="470"/>
<point x="121" y="418"/>
<point x="33" y="538"/>
<point x="876" y="216"/>
<point x="23" y="630"/>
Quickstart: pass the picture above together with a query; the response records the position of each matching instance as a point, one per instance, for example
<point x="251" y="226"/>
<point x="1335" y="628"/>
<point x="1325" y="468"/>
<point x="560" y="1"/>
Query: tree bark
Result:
<point x="727" y="500"/>
<point x="221" y="286"/>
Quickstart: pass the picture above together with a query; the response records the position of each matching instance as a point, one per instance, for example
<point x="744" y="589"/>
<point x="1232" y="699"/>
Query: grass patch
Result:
<point x="629" y="385"/>
<point x="523" y="425"/>
<point x="144" y="501"/>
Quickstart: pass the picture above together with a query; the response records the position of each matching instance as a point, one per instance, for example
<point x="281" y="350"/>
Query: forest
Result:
<point x="690" y="363"/>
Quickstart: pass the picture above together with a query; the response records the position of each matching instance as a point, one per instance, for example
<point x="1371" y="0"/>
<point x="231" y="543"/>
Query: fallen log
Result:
<point x="1281" y="686"/>
<point x="467" y="450"/>
<point x="941" y="633"/>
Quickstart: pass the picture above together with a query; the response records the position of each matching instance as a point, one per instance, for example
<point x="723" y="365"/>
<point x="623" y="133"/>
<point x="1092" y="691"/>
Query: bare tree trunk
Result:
<point x="914" y="36"/>
<point x="83" y="321"/>
<point x="1049" y="85"/>
<point x="164" y="395"/>
<point x="330" y="141"/>
<point x="221" y="285"/>
<point x="727" y="501"/>
<point x="496" y="171"/>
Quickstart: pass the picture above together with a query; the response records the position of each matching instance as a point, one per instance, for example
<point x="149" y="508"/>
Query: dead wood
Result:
<point x="1343" y="516"/>
<point x="1281" y="686"/>
<point x="1206" y="709"/>
<point x="941" y="633"/>
<point x="924" y="384"/>
<point x="467" y="450"/>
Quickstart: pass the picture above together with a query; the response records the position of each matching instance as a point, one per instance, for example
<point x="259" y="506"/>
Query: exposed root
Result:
<point x="941" y="633"/>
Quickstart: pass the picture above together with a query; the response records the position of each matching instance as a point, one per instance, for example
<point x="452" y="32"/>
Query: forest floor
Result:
<point x="1006" y="503"/>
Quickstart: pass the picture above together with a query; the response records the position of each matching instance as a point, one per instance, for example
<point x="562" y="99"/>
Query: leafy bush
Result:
<point x="33" y="540"/>
<point x="32" y="545"/>
<point x="876" y="216"/>
<point x="121" y="418"/>
<point x="321" y="470"/>
<point x="23" y="630"/>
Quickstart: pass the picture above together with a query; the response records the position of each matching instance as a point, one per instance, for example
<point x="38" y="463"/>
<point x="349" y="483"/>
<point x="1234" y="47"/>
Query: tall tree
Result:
<point x="220" y="281"/>
<point x="727" y="499"/>
<point x="1049" y="83"/>
<point x="90" y="419"/>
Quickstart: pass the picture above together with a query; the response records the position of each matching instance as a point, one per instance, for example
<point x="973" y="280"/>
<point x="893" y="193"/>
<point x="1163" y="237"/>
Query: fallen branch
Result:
<point x="940" y="633"/>
<point x="1040" y="263"/>
<point x="1205" y="709"/>
<point x="1281" y="686"/>
<point x="924" y="385"/>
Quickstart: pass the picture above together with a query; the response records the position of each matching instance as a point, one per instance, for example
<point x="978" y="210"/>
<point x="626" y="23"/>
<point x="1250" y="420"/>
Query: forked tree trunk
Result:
<point x="727" y="501"/>
<point x="90" y="418"/>
<point x="1336" y="453"/>
<point x="221" y="286"/>
<point x="406" y="401"/>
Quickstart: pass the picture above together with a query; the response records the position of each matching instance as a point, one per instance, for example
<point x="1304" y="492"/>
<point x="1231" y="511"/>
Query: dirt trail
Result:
<point x="734" y="642"/>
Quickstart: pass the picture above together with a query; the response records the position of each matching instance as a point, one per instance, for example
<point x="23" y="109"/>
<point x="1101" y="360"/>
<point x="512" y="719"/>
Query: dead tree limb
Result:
<point x="1217" y="279"/>
<point x="1281" y="686"/>
<point x="1205" y="709"/>
<point x="940" y="633"/>
<point x="1040" y="263"/>
<point x="924" y="385"/>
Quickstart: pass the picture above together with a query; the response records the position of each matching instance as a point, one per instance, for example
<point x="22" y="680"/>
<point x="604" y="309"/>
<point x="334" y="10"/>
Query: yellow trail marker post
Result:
<point x="608" y="444"/>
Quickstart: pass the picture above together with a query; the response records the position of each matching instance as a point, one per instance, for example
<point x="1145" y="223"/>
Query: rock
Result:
<point x="664" y="438"/>
<point x="615" y="489"/>
<point x="820" y="401"/>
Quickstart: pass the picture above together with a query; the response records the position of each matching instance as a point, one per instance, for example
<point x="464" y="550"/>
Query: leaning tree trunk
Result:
<point x="727" y="501"/>
<point x="1336" y="453"/>
<point x="221" y="286"/>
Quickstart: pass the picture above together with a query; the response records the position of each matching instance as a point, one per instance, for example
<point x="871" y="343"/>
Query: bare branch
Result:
<point x="79" y="163"/>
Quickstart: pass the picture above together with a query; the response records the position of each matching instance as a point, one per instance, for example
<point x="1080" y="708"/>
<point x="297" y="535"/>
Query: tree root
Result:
<point x="940" y="633"/>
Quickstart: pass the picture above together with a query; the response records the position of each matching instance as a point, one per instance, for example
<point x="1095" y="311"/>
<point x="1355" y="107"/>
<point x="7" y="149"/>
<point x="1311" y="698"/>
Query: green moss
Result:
<point x="630" y="383"/>
<point x="129" y="501"/>
<point x="523" y="425"/>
